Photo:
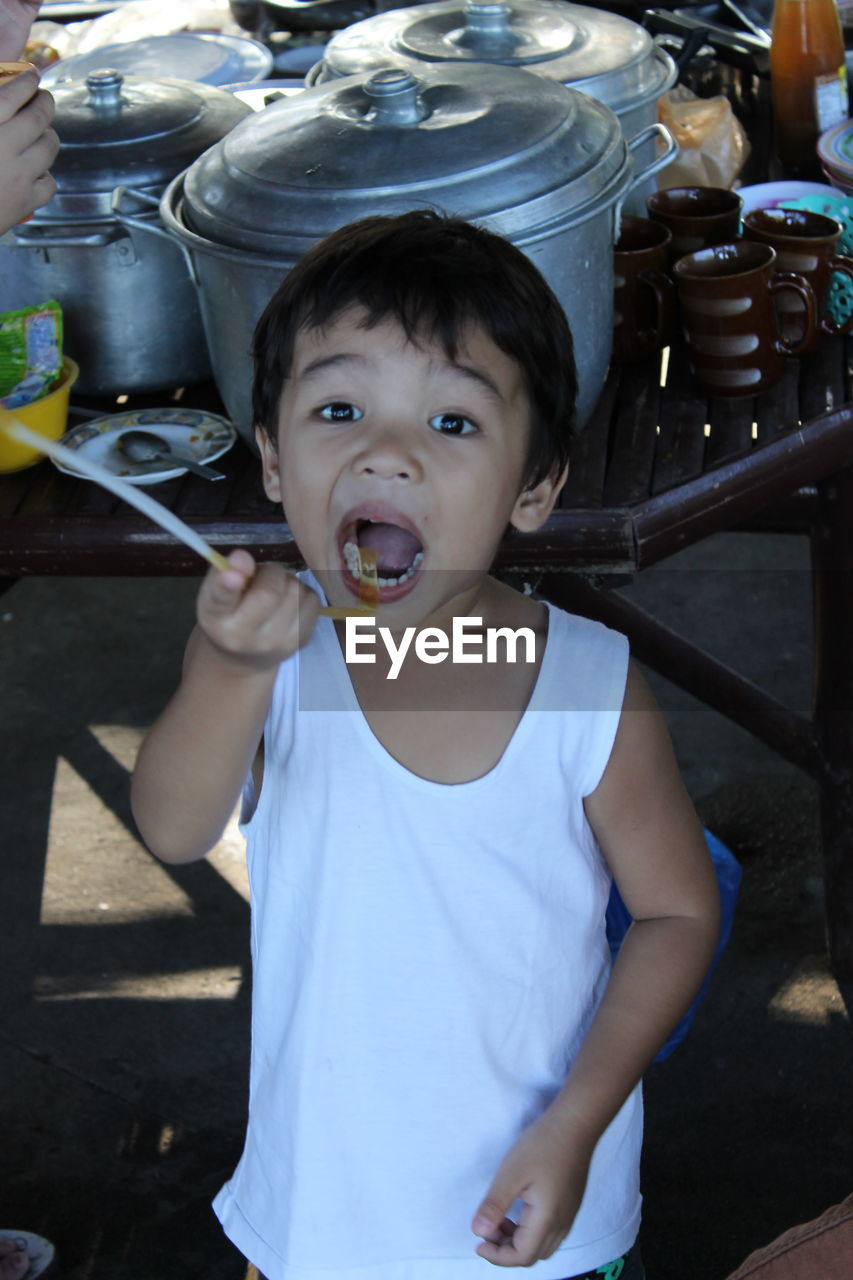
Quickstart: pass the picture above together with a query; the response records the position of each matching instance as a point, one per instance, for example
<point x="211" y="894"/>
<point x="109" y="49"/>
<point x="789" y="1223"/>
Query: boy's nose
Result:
<point x="388" y="456"/>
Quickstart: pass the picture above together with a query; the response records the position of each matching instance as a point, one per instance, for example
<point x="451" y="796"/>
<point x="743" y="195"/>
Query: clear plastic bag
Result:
<point x="138" y="19"/>
<point x="712" y="143"/>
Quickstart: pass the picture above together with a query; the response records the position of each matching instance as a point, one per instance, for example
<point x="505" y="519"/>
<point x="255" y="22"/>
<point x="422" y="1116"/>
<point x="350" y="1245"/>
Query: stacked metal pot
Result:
<point x="600" y="53"/>
<point x="130" y="306"/>
<point x="523" y="155"/>
<point x="469" y="110"/>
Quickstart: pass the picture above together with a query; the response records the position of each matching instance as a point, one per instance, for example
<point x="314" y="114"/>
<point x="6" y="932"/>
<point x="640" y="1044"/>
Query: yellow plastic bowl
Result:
<point x="48" y="416"/>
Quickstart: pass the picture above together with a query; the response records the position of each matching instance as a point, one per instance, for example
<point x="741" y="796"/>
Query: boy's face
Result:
<point x="390" y="445"/>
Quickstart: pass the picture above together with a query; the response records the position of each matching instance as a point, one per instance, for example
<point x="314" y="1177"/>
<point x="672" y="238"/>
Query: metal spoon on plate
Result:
<point x="79" y="464"/>
<point x="145" y="446"/>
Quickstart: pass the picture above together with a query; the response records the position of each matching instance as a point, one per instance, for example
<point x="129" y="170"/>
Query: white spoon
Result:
<point x="130" y="493"/>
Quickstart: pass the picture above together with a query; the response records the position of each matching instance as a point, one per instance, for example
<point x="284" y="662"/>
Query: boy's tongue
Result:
<point x="395" y="548"/>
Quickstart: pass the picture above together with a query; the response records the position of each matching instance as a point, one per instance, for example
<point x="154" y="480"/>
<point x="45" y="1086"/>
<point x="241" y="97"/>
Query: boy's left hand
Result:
<point x="546" y="1168"/>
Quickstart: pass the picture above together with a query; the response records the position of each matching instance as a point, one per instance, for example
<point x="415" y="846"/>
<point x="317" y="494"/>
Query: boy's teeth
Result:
<point x="351" y="558"/>
<point x="350" y="552"/>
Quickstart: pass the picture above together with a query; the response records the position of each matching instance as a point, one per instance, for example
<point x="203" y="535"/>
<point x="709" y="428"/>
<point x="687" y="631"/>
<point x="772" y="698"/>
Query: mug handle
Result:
<point x="664" y="290"/>
<point x="801" y="286"/>
<point x="845" y="264"/>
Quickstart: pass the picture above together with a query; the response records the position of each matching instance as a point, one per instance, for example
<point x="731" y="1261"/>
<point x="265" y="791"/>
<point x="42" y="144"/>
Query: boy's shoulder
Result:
<point x="582" y="663"/>
<point x="585" y="664"/>
<point x="563" y="626"/>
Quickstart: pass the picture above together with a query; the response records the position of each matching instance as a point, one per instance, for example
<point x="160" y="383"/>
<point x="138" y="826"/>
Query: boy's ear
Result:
<point x="269" y="463"/>
<point x="533" y="506"/>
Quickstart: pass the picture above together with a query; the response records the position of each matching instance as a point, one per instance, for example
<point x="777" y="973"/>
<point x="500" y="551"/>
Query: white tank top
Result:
<point x="427" y="958"/>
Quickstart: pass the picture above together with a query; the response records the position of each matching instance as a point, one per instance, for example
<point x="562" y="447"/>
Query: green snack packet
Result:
<point x="30" y="352"/>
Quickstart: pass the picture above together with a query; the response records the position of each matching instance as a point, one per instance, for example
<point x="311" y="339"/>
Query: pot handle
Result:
<point x="661" y="161"/>
<point x="34" y="237"/>
<point x="691" y="43"/>
<point x="129" y="220"/>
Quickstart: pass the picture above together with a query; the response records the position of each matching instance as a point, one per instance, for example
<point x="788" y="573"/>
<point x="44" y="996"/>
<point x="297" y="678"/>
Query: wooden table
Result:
<point x="657" y="468"/>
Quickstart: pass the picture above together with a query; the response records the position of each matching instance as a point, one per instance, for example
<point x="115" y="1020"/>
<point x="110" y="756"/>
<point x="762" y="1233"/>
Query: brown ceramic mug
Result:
<point x="697" y="217"/>
<point x="644" y="302"/>
<point x="806" y="243"/>
<point x="727" y="296"/>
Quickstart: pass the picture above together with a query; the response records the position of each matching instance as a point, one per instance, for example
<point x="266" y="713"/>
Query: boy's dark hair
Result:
<point x="433" y="275"/>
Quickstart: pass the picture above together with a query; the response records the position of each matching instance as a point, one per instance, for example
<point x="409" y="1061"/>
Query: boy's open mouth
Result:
<point x="399" y="555"/>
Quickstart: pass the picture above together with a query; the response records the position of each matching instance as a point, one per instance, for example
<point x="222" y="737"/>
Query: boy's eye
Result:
<point x="340" y="411"/>
<point x="452" y="424"/>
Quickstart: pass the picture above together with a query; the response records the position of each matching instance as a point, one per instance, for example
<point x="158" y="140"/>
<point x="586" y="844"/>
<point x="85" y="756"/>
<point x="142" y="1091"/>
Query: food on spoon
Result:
<point x="368" y="589"/>
<point x="368" y="579"/>
<point x="8" y="70"/>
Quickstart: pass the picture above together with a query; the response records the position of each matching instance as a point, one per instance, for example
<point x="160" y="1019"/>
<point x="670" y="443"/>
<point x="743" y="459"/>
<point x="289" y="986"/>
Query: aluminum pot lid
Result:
<point x="185" y="55"/>
<point x="601" y="53"/>
<point x="473" y="140"/>
<point x="138" y="132"/>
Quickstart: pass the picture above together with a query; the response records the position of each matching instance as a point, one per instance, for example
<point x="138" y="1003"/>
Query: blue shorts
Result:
<point x="628" y="1267"/>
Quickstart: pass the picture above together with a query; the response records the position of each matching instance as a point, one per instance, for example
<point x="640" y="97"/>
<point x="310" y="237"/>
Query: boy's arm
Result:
<point x="195" y="759"/>
<point x="650" y="835"/>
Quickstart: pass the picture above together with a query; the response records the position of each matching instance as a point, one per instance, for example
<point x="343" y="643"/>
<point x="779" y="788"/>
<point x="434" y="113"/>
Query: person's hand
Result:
<point x="16" y="18"/>
<point x="256" y="615"/>
<point x="547" y="1169"/>
<point x="28" y="147"/>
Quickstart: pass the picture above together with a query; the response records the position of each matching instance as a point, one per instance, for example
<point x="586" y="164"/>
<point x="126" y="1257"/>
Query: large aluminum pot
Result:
<point x="528" y="158"/>
<point x="600" y="53"/>
<point x="131" y="314"/>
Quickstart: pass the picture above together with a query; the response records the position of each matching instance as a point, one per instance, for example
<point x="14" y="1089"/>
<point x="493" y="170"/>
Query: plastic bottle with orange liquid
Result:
<point x="809" y="81"/>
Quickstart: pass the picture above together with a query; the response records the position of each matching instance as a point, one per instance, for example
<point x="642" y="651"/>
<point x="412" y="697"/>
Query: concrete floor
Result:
<point x="123" y="1010"/>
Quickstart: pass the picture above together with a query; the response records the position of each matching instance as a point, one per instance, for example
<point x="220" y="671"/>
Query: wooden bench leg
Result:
<point x="832" y="564"/>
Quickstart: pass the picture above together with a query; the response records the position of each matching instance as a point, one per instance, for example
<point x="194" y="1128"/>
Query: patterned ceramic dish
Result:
<point x="203" y="436"/>
<point x="835" y="150"/>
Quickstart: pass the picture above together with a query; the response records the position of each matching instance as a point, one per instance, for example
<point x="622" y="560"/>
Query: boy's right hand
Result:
<point x="256" y="615"/>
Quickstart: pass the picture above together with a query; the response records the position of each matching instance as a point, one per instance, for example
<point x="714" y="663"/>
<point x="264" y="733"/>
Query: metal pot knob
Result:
<point x="105" y="90"/>
<point x="491" y="32"/>
<point x="487" y="31"/>
<point x="395" y="99"/>
<point x="489" y="17"/>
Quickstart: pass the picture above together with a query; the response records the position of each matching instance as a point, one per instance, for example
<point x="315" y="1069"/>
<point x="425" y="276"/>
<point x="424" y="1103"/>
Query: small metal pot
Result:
<point x="129" y="303"/>
<point x="600" y="53"/>
<point x="539" y="163"/>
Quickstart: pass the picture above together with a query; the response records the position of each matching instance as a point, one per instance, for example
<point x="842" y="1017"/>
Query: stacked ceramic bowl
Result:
<point x="835" y="150"/>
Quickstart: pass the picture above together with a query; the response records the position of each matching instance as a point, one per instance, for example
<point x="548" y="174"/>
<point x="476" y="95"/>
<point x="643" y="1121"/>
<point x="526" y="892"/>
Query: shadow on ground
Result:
<point x="124" y="1003"/>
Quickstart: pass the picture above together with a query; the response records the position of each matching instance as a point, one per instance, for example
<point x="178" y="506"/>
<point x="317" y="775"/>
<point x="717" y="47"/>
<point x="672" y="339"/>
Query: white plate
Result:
<point x="203" y="436"/>
<point x="255" y="95"/>
<point x="770" y="195"/>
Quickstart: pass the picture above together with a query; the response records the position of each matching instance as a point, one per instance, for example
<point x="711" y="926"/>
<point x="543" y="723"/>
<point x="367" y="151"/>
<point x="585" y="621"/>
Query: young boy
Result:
<point x="439" y="1049"/>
